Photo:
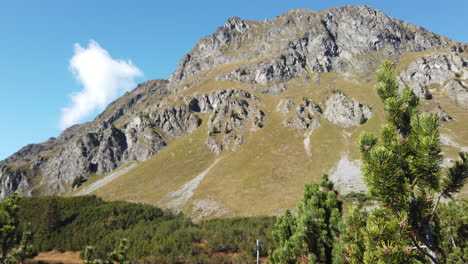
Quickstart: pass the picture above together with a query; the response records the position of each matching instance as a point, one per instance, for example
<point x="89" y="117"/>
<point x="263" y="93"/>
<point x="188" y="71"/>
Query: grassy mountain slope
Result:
<point x="267" y="173"/>
<point x="216" y="139"/>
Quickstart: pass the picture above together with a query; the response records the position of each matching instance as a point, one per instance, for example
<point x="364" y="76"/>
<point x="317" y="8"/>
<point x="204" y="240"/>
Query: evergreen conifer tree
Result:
<point x="25" y="250"/>
<point x="9" y="223"/>
<point x="402" y="170"/>
<point x="309" y="237"/>
<point x="119" y="255"/>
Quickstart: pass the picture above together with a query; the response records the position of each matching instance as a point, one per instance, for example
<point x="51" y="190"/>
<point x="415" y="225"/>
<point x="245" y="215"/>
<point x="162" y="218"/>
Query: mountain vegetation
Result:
<point x="152" y="234"/>
<point x="403" y="173"/>
<point x="243" y="128"/>
<point x="254" y="108"/>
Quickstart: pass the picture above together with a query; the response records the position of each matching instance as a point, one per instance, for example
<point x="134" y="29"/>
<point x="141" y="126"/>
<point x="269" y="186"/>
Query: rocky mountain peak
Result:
<point x="331" y="40"/>
<point x="237" y="24"/>
<point x="294" y="89"/>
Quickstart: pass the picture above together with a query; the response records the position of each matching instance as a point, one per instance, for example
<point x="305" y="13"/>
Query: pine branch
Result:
<point x="454" y="181"/>
<point x="434" y="260"/>
<point x="456" y="176"/>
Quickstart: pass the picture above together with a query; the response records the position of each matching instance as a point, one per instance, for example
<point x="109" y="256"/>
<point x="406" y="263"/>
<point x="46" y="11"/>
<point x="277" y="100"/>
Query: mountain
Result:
<point x="252" y="113"/>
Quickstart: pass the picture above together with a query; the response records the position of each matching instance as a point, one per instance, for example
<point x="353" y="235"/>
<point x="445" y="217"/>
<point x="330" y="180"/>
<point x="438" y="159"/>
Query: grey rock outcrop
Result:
<point x="269" y="75"/>
<point x="306" y="116"/>
<point x="102" y="152"/>
<point x="284" y="106"/>
<point x="176" y="121"/>
<point x="99" y="146"/>
<point x="142" y="139"/>
<point x="13" y="180"/>
<point x="330" y="40"/>
<point x="346" y="112"/>
<point x="205" y="103"/>
<point x="234" y="114"/>
<point x="433" y="69"/>
<point x="458" y="91"/>
<point x="266" y="57"/>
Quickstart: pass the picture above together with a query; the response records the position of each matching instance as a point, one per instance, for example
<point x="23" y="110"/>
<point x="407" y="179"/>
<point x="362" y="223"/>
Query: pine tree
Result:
<point x="9" y="223"/>
<point x="25" y="250"/>
<point x="309" y="237"/>
<point x="453" y="223"/>
<point x="119" y="255"/>
<point x="402" y="171"/>
<point x="350" y="247"/>
<point x="285" y="228"/>
<point x="88" y="254"/>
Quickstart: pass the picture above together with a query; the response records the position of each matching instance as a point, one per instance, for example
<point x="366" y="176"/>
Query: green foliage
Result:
<point x="88" y="254"/>
<point x="403" y="173"/>
<point x="237" y="234"/>
<point x="25" y="249"/>
<point x="456" y="176"/>
<point x="453" y="223"/>
<point x="311" y="234"/>
<point x="151" y="233"/>
<point x="350" y="247"/>
<point x="9" y="224"/>
<point x="285" y="228"/>
<point x="119" y="254"/>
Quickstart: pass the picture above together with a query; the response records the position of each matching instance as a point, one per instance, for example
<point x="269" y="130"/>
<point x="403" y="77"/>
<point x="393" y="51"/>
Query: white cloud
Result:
<point x="103" y="79"/>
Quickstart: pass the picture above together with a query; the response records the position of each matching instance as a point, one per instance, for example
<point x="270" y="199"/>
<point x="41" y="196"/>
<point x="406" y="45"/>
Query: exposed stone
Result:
<point x="282" y="68"/>
<point x="330" y="40"/>
<point x="270" y="56"/>
<point x="142" y="139"/>
<point x="347" y="176"/>
<point x="345" y="112"/>
<point x="234" y="112"/>
<point x="284" y="106"/>
<point x="12" y="180"/>
<point x="207" y="102"/>
<point x="306" y="116"/>
<point x="458" y="91"/>
<point x="433" y="69"/>
<point x="176" y="121"/>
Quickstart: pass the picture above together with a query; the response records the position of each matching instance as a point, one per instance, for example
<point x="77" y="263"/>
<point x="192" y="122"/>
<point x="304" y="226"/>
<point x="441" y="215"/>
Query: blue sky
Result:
<point x="38" y="41"/>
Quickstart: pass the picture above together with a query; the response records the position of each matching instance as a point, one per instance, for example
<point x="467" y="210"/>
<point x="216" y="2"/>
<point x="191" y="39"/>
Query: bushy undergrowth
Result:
<point x="70" y="224"/>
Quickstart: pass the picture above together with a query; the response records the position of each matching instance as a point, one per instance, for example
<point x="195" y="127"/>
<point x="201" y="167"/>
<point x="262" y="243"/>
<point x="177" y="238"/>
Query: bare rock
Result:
<point x="330" y="40"/>
<point x="345" y="112"/>
<point x="458" y="91"/>
<point x="208" y="102"/>
<point x="12" y="180"/>
<point x="143" y="140"/>
<point x="433" y="69"/>
<point x="347" y="176"/>
<point x="284" y="106"/>
<point x="176" y="121"/>
<point x="282" y="68"/>
<point x="233" y="116"/>
<point x="306" y="116"/>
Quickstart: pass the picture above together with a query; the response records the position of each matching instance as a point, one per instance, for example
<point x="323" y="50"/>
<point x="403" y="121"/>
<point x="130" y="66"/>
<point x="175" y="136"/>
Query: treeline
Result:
<point x="154" y="235"/>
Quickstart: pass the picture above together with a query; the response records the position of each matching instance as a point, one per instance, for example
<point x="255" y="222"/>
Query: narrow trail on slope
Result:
<point x="100" y="183"/>
<point x="181" y="196"/>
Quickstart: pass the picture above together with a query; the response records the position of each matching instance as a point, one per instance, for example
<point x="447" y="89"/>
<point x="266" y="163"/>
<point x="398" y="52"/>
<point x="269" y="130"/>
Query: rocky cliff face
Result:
<point x="304" y="40"/>
<point x="244" y="77"/>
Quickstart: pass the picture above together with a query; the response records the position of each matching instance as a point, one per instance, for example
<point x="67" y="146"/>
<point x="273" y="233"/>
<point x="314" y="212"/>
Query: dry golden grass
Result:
<point x="267" y="173"/>
<point x="69" y="257"/>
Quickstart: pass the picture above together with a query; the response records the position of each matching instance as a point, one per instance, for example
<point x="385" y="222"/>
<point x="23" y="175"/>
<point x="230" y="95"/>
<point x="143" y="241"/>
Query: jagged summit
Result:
<point x="327" y="41"/>
<point x="271" y="103"/>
